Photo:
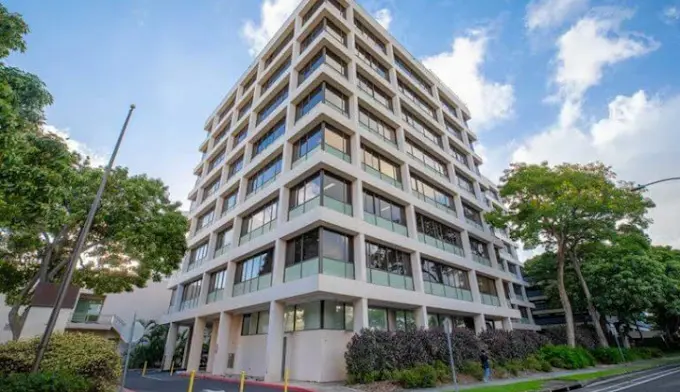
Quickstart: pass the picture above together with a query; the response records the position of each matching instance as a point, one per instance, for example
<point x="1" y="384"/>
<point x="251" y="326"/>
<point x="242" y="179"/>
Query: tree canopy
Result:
<point x="563" y="207"/>
<point x="46" y="192"/>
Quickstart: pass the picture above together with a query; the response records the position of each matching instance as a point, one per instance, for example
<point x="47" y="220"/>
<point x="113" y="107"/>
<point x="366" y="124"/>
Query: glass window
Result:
<point x="384" y="208"/>
<point x="211" y="188"/>
<point x="217" y="160"/>
<point x="235" y="167"/>
<point x="249" y="82"/>
<point x="377" y="318"/>
<point x="375" y="125"/>
<point x="453" y="130"/>
<point x="459" y="155"/>
<point x="190" y="295"/>
<point x="404" y="320"/>
<point x="230" y="201"/>
<point x="245" y="108"/>
<point x="326" y="56"/>
<point x="336" y="246"/>
<point x="335" y="62"/>
<point x="255" y="323"/>
<point x="217" y="280"/>
<point x="311" y="66"/>
<point x="308" y="142"/>
<point x="374" y="91"/>
<point x="415" y="98"/>
<point x="437" y="230"/>
<point x="336" y="188"/>
<point x="464" y="183"/>
<point x="302" y="248"/>
<point x="240" y="136"/>
<point x="336" y="139"/>
<point x="426" y="158"/>
<point x="372" y="62"/>
<point x="224" y="238"/>
<point x="318" y="315"/>
<point x="409" y="71"/>
<point x="270" y="137"/>
<point x="369" y="36"/>
<point x="420" y="126"/>
<point x="198" y="254"/>
<point x="310" y="101"/>
<point x="255" y="266"/>
<point x="268" y="60"/>
<point x="205" y="219"/>
<point x="451" y="108"/>
<point x="479" y="248"/>
<point x="273" y="104"/>
<point x="335" y="98"/>
<point x="380" y="163"/>
<point x="259" y="218"/>
<point x="444" y="274"/>
<point x="280" y="70"/>
<point x="486" y="285"/>
<point x="471" y="214"/>
<point x="264" y="175"/>
<point x="305" y="191"/>
<point x="388" y="259"/>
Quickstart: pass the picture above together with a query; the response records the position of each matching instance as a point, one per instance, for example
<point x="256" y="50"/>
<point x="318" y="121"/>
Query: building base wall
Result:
<point x="317" y="356"/>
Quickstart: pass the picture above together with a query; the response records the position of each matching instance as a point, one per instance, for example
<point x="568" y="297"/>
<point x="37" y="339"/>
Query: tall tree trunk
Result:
<point x="594" y="314"/>
<point x="16" y="320"/>
<point x="564" y="298"/>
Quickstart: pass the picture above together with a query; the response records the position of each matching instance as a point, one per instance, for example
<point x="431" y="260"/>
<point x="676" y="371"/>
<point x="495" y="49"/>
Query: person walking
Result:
<point x="484" y="359"/>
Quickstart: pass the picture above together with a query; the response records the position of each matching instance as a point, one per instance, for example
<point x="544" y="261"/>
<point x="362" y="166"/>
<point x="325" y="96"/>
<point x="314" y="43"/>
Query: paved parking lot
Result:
<point x="155" y="381"/>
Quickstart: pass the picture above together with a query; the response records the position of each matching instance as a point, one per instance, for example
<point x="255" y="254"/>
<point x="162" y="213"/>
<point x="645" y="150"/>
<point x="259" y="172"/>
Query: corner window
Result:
<point x="318" y="315"/>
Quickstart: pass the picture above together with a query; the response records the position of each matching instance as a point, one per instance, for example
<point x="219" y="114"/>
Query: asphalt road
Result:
<point x="163" y="382"/>
<point x="665" y="379"/>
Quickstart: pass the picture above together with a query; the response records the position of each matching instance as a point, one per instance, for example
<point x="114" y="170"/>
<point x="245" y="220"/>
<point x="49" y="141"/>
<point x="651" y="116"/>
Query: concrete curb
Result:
<point x="233" y="380"/>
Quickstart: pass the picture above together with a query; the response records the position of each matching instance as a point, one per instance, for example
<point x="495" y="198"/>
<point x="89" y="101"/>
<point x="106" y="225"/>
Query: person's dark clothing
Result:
<point x="485" y="360"/>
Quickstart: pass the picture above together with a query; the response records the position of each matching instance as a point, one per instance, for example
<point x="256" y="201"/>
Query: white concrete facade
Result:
<point x="275" y="299"/>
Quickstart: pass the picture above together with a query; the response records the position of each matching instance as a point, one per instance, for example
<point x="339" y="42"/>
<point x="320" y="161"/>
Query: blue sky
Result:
<point x="557" y="80"/>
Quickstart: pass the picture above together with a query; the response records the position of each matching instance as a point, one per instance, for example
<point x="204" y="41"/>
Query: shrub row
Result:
<point x="93" y="358"/>
<point x="43" y="382"/>
<point x="375" y="355"/>
<point x="612" y="355"/>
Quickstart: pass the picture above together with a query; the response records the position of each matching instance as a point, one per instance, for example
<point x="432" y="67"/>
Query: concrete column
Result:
<point x="500" y="291"/>
<point x="358" y="197"/>
<point x="474" y="287"/>
<point x="465" y="238"/>
<point x="196" y="345"/>
<point x="480" y="324"/>
<point x="360" y="268"/>
<point x="507" y="324"/>
<point x="417" y="272"/>
<point x="248" y="153"/>
<point x="204" y="289"/>
<point x="282" y="212"/>
<point x="421" y="317"/>
<point x="411" y="224"/>
<point x="279" y="266"/>
<point x="492" y="255"/>
<point x="170" y="343"/>
<point x="230" y="278"/>
<point x="405" y="177"/>
<point x="525" y="298"/>
<point x="274" y="358"/>
<point x="187" y="347"/>
<point x="355" y="144"/>
<point x="458" y="202"/>
<point x="360" y="314"/>
<point x="287" y="155"/>
<point x="222" y="345"/>
<point x="212" y="347"/>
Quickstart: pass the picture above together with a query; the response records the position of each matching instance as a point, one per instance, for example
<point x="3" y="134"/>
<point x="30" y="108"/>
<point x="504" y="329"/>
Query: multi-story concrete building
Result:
<point x="339" y="189"/>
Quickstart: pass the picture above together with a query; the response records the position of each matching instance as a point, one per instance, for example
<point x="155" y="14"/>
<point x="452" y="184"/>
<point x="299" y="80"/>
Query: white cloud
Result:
<point x="384" y="17"/>
<point x="671" y="14"/>
<point x="592" y="44"/>
<point x="272" y="15"/>
<point x="638" y="138"/>
<point x="96" y="159"/>
<point x="460" y="69"/>
<point x="543" y="14"/>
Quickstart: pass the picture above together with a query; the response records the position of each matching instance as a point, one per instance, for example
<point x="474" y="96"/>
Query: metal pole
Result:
<point x="131" y="335"/>
<point x="640" y="187"/>
<point x="66" y="282"/>
<point x="448" y="329"/>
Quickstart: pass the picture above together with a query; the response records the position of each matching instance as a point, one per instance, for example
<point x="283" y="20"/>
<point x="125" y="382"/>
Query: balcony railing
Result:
<point x="431" y="201"/>
<point x="214" y="296"/>
<point x="328" y="202"/>
<point x="488" y="299"/>
<point x="388" y="279"/>
<point x="443" y="245"/>
<point x="474" y="223"/>
<point x="222" y="250"/>
<point x="316" y="266"/>
<point x="325" y="147"/>
<point x="382" y="176"/>
<point x="481" y="259"/>
<point x="448" y="291"/>
<point x="249" y="286"/>
<point x="267" y="227"/>
<point x="385" y="224"/>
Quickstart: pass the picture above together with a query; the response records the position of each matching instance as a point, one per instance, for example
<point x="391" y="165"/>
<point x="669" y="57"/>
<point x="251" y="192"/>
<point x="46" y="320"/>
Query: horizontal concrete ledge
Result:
<point x="236" y="380"/>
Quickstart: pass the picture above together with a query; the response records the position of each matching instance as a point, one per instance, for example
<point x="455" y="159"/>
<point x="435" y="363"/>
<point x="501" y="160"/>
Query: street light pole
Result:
<point x="641" y="187"/>
<point x="66" y="281"/>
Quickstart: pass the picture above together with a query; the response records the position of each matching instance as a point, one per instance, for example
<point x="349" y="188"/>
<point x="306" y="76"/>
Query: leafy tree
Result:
<point x="46" y="191"/>
<point x="666" y="311"/>
<point x="563" y="207"/>
<point x="151" y="346"/>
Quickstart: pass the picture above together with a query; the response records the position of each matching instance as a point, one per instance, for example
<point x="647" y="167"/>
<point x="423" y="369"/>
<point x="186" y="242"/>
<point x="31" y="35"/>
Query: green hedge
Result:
<point x="91" y="357"/>
<point x="612" y="355"/>
<point x="43" y="382"/>
<point x="566" y="357"/>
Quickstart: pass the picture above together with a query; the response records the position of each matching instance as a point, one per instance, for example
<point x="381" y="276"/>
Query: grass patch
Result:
<point x="525" y="386"/>
<point x="594" y="375"/>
